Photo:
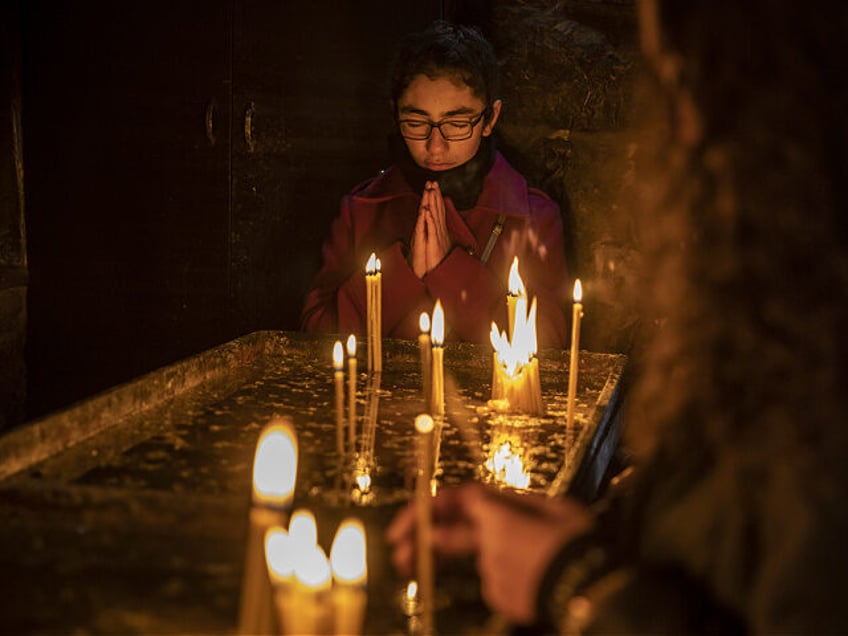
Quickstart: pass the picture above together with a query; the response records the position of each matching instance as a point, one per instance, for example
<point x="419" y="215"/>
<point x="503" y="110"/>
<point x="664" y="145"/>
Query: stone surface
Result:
<point x="128" y="513"/>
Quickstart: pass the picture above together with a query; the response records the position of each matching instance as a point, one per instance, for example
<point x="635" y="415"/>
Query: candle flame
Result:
<point x="371" y="265"/>
<point x="363" y="482"/>
<point x="516" y="285"/>
<point x="303" y="530"/>
<point x="423" y="423"/>
<point x="377" y="266"/>
<point x="507" y="466"/>
<point x="424" y="322"/>
<point x="412" y="591"/>
<point x="279" y="555"/>
<point x="514" y="354"/>
<point x="347" y="556"/>
<point x="578" y="291"/>
<point x="437" y="330"/>
<point x="275" y="464"/>
<point x="312" y="569"/>
<point x="351" y="346"/>
<point x="338" y="355"/>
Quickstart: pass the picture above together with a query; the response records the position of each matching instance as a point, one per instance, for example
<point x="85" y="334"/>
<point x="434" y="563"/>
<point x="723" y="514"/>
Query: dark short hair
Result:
<point x="445" y="49"/>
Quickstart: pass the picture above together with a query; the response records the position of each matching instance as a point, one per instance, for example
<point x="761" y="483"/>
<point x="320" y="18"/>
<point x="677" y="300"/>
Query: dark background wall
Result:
<point x="183" y="161"/>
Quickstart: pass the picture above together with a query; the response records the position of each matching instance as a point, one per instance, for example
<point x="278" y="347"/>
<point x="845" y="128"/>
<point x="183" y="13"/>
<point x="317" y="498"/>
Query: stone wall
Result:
<point x="568" y="71"/>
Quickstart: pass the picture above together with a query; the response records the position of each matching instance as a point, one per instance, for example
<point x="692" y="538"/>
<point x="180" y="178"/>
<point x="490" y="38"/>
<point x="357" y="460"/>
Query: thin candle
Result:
<point x="424" y="349"/>
<point x="576" y="316"/>
<point x="378" y="310"/>
<point x="423" y="508"/>
<point x="371" y="311"/>
<point x="338" y="377"/>
<point x="350" y="574"/>
<point x="437" y="337"/>
<point x="274" y="478"/>
<point x="351" y="391"/>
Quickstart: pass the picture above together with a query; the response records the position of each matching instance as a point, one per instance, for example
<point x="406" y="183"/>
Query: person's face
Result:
<point x="438" y="100"/>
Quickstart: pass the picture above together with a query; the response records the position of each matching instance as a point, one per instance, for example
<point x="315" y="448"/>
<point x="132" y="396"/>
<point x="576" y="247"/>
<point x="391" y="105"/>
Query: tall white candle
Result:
<point x="351" y="395"/>
<point x="423" y="507"/>
<point x="576" y="316"/>
<point x="437" y="337"/>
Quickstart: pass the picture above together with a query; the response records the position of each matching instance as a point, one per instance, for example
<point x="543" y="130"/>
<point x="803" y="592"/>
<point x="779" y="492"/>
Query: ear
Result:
<point x="490" y="124"/>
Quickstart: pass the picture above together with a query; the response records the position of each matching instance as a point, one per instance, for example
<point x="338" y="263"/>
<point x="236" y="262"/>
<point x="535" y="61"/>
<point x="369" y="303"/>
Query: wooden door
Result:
<point x="127" y="189"/>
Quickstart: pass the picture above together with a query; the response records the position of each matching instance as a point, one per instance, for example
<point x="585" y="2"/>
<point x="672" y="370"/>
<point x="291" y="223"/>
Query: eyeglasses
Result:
<point x="450" y="129"/>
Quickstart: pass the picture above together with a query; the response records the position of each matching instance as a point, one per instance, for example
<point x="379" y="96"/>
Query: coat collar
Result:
<point x="504" y="190"/>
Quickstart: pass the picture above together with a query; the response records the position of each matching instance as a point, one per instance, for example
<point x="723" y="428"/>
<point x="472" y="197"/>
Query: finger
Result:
<point x="402" y="525"/>
<point x="403" y="558"/>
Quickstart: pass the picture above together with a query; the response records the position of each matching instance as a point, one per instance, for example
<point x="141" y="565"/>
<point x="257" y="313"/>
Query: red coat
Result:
<point x="379" y="216"/>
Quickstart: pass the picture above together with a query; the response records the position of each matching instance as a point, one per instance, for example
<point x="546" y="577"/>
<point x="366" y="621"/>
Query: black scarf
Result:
<point x="462" y="184"/>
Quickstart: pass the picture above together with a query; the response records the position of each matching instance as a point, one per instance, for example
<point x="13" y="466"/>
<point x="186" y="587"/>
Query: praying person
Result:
<point x="449" y="215"/>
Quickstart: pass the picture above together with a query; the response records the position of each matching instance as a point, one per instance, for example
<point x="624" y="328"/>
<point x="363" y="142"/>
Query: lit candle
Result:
<point x="274" y="477"/>
<point x="409" y="602"/>
<point x="423" y="504"/>
<point x="437" y="336"/>
<point x="351" y="393"/>
<point x="307" y="608"/>
<point x="515" y="290"/>
<point x="350" y="575"/>
<point x="371" y="310"/>
<point x="378" y="310"/>
<point x="576" y="315"/>
<point x="424" y="348"/>
<point x="279" y="558"/>
<point x="338" y="376"/>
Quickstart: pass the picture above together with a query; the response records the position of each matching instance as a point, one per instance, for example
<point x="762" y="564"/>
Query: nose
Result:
<point x="436" y="142"/>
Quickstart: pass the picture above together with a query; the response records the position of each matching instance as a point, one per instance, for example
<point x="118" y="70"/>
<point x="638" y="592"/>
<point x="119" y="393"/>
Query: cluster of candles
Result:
<point x="289" y="585"/>
<point x="304" y="599"/>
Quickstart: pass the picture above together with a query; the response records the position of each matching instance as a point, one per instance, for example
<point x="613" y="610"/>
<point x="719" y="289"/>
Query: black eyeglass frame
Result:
<point x="432" y="124"/>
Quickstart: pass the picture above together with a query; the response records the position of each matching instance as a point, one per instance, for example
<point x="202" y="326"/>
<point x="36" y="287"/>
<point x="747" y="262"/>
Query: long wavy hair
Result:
<point x="746" y="233"/>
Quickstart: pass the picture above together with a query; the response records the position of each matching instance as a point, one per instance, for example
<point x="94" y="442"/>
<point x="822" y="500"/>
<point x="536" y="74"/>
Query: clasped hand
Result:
<point x="430" y="239"/>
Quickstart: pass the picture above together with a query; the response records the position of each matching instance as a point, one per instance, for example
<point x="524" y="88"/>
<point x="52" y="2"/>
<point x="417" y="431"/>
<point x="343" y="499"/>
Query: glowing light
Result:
<point x="423" y="423"/>
<point x="347" y="556"/>
<point x="363" y="482"/>
<point x="338" y="356"/>
<point x="312" y="569"/>
<point x="279" y="554"/>
<point x="437" y="331"/>
<point x="303" y="530"/>
<point x="351" y="346"/>
<point x="507" y="466"/>
<point x="424" y="322"/>
<point x="275" y="464"/>
<point x="412" y="591"/>
<point x="578" y="291"/>
<point x="371" y="266"/>
<point x="515" y="284"/>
